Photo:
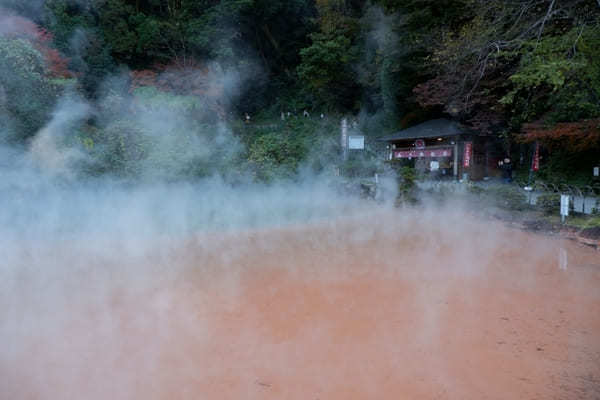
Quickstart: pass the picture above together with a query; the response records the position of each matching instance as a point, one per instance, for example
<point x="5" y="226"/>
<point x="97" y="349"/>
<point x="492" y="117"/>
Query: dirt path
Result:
<point x="380" y="307"/>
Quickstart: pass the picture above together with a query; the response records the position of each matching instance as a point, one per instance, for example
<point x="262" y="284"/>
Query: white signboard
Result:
<point x="356" y="142"/>
<point x="596" y="171"/>
<point x="564" y="205"/>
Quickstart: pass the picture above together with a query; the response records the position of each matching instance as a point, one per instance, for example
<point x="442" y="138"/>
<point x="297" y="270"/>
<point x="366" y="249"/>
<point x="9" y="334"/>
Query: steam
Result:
<point x="47" y="148"/>
<point x="149" y="191"/>
<point x="156" y="283"/>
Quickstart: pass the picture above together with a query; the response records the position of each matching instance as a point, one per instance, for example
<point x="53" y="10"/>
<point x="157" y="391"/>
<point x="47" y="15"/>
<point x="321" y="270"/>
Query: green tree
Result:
<point x="472" y="59"/>
<point x="26" y="94"/>
<point x="77" y="33"/>
<point x="275" y="156"/>
<point x="558" y="78"/>
<point x="327" y="69"/>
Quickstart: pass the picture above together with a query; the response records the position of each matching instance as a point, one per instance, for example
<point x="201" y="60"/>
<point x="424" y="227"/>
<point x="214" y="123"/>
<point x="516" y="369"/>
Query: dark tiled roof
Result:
<point x="429" y="129"/>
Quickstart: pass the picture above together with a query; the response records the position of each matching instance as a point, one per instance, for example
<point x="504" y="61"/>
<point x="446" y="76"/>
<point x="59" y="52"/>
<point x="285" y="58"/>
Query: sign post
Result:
<point x="344" y="139"/>
<point x="455" y="163"/>
<point x="564" y="207"/>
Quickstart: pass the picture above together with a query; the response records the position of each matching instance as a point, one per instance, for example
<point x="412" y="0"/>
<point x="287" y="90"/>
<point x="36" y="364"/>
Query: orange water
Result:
<point x="374" y="307"/>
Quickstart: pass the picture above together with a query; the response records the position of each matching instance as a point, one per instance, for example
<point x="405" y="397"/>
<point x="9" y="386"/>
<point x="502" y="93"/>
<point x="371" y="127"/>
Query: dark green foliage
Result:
<point x="275" y="156"/>
<point x="406" y="176"/>
<point x="281" y="150"/>
<point x="563" y="166"/>
<point x="561" y="74"/>
<point x="549" y="203"/>
<point x="77" y="32"/>
<point x="494" y="65"/>
<point x="119" y="22"/>
<point x="327" y="70"/>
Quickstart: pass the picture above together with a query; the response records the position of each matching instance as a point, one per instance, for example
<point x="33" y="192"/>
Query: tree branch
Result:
<point x="548" y="13"/>
<point x="577" y="40"/>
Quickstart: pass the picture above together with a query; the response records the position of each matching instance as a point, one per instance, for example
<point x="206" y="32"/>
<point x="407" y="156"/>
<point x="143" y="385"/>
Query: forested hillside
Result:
<point x="518" y="70"/>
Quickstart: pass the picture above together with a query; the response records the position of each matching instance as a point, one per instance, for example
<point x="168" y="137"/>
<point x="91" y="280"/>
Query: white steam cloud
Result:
<point x="153" y="285"/>
<point x="47" y="147"/>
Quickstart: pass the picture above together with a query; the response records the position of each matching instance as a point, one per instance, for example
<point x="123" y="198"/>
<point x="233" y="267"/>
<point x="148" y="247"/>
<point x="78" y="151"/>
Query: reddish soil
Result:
<point x="386" y="306"/>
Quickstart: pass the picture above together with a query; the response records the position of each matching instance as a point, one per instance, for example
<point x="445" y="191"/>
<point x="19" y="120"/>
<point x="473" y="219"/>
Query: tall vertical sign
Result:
<point x="535" y="164"/>
<point x="468" y="154"/>
<point x="564" y="206"/>
<point x="344" y="139"/>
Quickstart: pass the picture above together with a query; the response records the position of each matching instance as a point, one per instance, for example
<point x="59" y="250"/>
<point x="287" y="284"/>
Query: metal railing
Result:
<point x="584" y="199"/>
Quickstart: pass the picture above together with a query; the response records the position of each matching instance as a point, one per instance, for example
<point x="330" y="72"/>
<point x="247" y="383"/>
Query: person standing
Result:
<point x="507" y="167"/>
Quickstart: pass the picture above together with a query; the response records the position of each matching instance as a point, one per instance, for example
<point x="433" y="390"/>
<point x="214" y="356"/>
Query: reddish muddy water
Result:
<point x="385" y="306"/>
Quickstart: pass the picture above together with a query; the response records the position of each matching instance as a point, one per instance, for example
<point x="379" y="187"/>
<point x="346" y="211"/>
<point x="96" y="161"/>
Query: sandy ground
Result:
<point x="385" y="306"/>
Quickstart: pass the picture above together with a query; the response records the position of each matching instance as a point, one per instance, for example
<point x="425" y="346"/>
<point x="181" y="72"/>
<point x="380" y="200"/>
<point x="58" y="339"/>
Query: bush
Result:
<point x="406" y="185"/>
<point x="508" y="196"/>
<point x="549" y="203"/>
<point x="26" y="95"/>
<point x="275" y="156"/>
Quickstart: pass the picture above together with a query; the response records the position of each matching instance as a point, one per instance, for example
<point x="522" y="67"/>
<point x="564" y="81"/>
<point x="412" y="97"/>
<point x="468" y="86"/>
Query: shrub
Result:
<point x="508" y="196"/>
<point x="275" y="156"/>
<point x="406" y="185"/>
<point x="549" y="203"/>
<point x="26" y="95"/>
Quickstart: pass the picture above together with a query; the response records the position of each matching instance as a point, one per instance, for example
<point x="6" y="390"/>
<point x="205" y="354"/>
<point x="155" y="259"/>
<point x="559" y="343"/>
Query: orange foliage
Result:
<point x="193" y="80"/>
<point x="576" y="136"/>
<point x="478" y="109"/>
<point x="142" y="78"/>
<point x="58" y="66"/>
<point x="19" y="27"/>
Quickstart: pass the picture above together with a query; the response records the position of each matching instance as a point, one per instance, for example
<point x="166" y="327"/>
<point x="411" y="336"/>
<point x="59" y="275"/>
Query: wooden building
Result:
<point x="444" y="149"/>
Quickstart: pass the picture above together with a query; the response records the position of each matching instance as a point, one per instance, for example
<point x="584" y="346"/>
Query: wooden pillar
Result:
<point x="455" y="159"/>
<point x="344" y="139"/>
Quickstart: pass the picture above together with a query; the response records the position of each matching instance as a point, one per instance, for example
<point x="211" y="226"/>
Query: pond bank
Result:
<point x="508" y="203"/>
<point x="534" y="221"/>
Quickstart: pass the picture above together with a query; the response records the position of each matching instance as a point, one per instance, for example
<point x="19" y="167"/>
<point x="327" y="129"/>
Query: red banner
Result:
<point x="468" y="154"/>
<point x="439" y="152"/>
<point x="535" y="165"/>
